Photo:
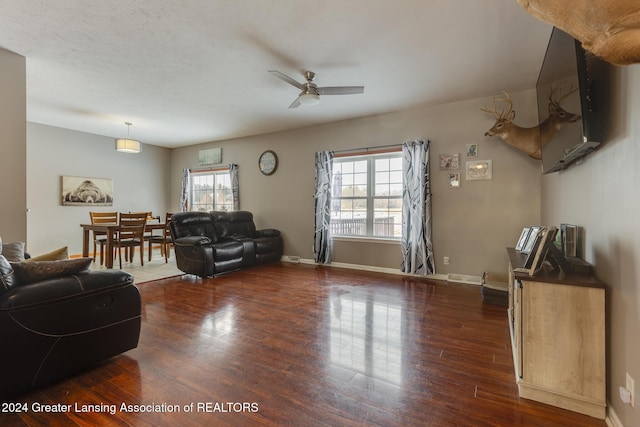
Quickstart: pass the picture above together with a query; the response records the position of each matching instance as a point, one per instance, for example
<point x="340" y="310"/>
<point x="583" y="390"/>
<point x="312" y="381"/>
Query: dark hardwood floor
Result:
<point x="301" y="345"/>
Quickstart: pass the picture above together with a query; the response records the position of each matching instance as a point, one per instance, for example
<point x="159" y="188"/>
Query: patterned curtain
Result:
<point x="417" y="247"/>
<point x="184" y="195"/>
<point x="235" y="186"/>
<point x="322" y="245"/>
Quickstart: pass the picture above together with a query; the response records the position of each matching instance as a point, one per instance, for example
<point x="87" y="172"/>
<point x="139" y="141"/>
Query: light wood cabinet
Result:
<point x="558" y="338"/>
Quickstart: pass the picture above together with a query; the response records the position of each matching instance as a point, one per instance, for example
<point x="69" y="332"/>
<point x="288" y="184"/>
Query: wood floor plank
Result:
<point x="289" y="344"/>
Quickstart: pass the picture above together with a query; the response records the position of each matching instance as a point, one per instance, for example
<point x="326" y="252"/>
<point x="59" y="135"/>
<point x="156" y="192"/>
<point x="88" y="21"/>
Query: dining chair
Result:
<point x="131" y="234"/>
<point x="163" y="239"/>
<point x="150" y="218"/>
<point x="100" y="237"/>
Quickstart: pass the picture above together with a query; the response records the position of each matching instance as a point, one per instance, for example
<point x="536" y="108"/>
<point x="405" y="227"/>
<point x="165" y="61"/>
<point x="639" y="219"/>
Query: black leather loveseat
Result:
<point x="53" y="327"/>
<point x="210" y="243"/>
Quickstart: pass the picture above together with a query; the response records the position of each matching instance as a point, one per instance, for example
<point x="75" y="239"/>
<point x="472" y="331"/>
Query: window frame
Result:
<point x="371" y="197"/>
<point x="226" y="205"/>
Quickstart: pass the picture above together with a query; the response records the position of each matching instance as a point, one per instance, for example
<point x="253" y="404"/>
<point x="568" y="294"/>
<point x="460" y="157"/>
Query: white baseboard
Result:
<point x="612" y="419"/>
<point x="463" y="278"/>
<point x="387" y="270"/>
<point x="290" y="258"/>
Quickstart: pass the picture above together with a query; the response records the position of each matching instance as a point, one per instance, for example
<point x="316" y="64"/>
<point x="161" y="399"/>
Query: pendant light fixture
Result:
<point x="128" y="145"/>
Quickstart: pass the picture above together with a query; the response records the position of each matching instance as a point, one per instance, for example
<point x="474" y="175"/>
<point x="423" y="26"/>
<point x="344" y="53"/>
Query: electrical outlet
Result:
<point x="446" y="260"/>
<point x="631" y="387"/>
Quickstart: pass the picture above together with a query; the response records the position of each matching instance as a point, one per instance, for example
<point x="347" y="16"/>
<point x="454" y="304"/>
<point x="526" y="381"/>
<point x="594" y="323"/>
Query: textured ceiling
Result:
<point x="192" y="71"/>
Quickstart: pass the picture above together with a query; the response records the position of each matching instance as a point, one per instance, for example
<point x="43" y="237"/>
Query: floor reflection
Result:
<point x="366" y="334"/>
<point x="220" y="323"/>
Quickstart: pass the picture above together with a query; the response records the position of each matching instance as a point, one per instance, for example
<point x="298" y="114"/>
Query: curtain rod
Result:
<point x="209" y="169"/>
<point x="365" y="149"/>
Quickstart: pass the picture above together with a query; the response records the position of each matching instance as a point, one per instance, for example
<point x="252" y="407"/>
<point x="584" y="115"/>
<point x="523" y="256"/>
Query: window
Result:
<point x="211" y="191"/>
<point x="367" y="196"/>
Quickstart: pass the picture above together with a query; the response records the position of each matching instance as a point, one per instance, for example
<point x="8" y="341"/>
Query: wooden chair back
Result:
<point x="100" y="237"/>
<point x="130" y="224"/>
<point x="167" y="230"/>
<point x="146" y="215"/>
<point x="131" y="228"/>
<point x="131" y="234"/>
<point x="103" y="217"/>
<point x="163" y="239"/>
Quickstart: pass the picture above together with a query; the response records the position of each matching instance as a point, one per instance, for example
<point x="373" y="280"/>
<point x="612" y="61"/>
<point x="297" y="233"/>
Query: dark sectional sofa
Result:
<point x="210" y="243"/>
<point x="58" y="318"/>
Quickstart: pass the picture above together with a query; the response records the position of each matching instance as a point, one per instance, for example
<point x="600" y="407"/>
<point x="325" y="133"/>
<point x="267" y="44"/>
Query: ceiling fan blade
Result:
<point x="287" y="79"/>
<point x="296" y="103"/>
<point x="341" y="90"/>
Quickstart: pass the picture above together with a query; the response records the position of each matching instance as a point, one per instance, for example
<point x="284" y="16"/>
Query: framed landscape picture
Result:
<point x="479" y="169"/>
<point x="210" y="156"/>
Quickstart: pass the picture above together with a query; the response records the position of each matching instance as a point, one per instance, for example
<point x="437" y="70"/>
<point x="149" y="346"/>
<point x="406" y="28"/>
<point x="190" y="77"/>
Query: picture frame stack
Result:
<point x="527" y="239"/>
<point x="541" y="247"/>
<point x="536" y="242"/>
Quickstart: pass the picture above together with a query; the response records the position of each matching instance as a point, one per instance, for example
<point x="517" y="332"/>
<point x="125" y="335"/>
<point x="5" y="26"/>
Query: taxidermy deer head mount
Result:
<point x="531" y="140"/>
<point x="608" y="29"/>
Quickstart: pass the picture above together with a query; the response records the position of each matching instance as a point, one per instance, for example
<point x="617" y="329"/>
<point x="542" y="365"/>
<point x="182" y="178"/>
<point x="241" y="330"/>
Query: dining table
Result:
<point x="111" y="230"/>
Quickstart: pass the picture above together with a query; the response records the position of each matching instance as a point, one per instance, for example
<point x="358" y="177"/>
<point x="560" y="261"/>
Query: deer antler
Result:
<point x="555" y="88"/>
<point x="532" y="139"/>
<point x="502" y="115"/>
<point x="494" y="111"/>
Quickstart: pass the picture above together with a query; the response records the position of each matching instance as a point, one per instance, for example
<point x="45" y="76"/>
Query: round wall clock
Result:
<point x="268" y="162"/>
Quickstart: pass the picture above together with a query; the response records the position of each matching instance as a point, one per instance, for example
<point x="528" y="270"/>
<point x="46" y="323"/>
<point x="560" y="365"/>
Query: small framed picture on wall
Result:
<point x="210" y="156"/>
<point x="454" y="180"/>
<point x="479" y="169"/>
<point x="472" y="150"/>
<point x="450" y="161"/>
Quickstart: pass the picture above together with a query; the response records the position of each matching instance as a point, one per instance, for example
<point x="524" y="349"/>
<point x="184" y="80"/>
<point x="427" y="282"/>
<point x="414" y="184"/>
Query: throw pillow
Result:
<point x="7" y="276"/>
<point x="30" y="272"/>
<point x="57" y="255"/>
<point x="14" y="252"/>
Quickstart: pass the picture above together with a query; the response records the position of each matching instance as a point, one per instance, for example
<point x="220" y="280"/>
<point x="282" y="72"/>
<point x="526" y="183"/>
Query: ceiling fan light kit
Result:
<point x="310" y="92"/>
<point x="309" y="98"/>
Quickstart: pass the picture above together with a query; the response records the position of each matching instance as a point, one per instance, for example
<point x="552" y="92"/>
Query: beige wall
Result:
<point x="140" y="182"/>
<point x="13" y="161"/>
<point x="472" y="225"/>
<point x="601" y="196"/>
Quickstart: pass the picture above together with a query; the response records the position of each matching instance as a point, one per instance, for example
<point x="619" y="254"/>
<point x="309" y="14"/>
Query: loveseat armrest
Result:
<point x="267" y="232"/>
<point x="192" y="241"/>
<point x="67" y="287"/>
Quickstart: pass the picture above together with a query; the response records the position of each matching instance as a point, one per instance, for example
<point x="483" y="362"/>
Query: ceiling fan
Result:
<point x="310" y="94"/>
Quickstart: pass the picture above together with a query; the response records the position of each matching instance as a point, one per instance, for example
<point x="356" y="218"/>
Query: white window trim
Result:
<point x="365" y="239"/>
<point x="370" y="199"/>
<point x="202" y="173"/>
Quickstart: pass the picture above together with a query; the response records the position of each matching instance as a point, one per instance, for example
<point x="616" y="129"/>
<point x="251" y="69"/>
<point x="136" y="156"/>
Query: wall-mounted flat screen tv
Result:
<point x="573" y="94"/>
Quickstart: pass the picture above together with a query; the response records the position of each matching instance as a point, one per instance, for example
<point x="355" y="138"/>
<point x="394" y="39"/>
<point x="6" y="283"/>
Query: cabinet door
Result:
<point x="517" y="327"/>
<point x="563" y="339"/>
